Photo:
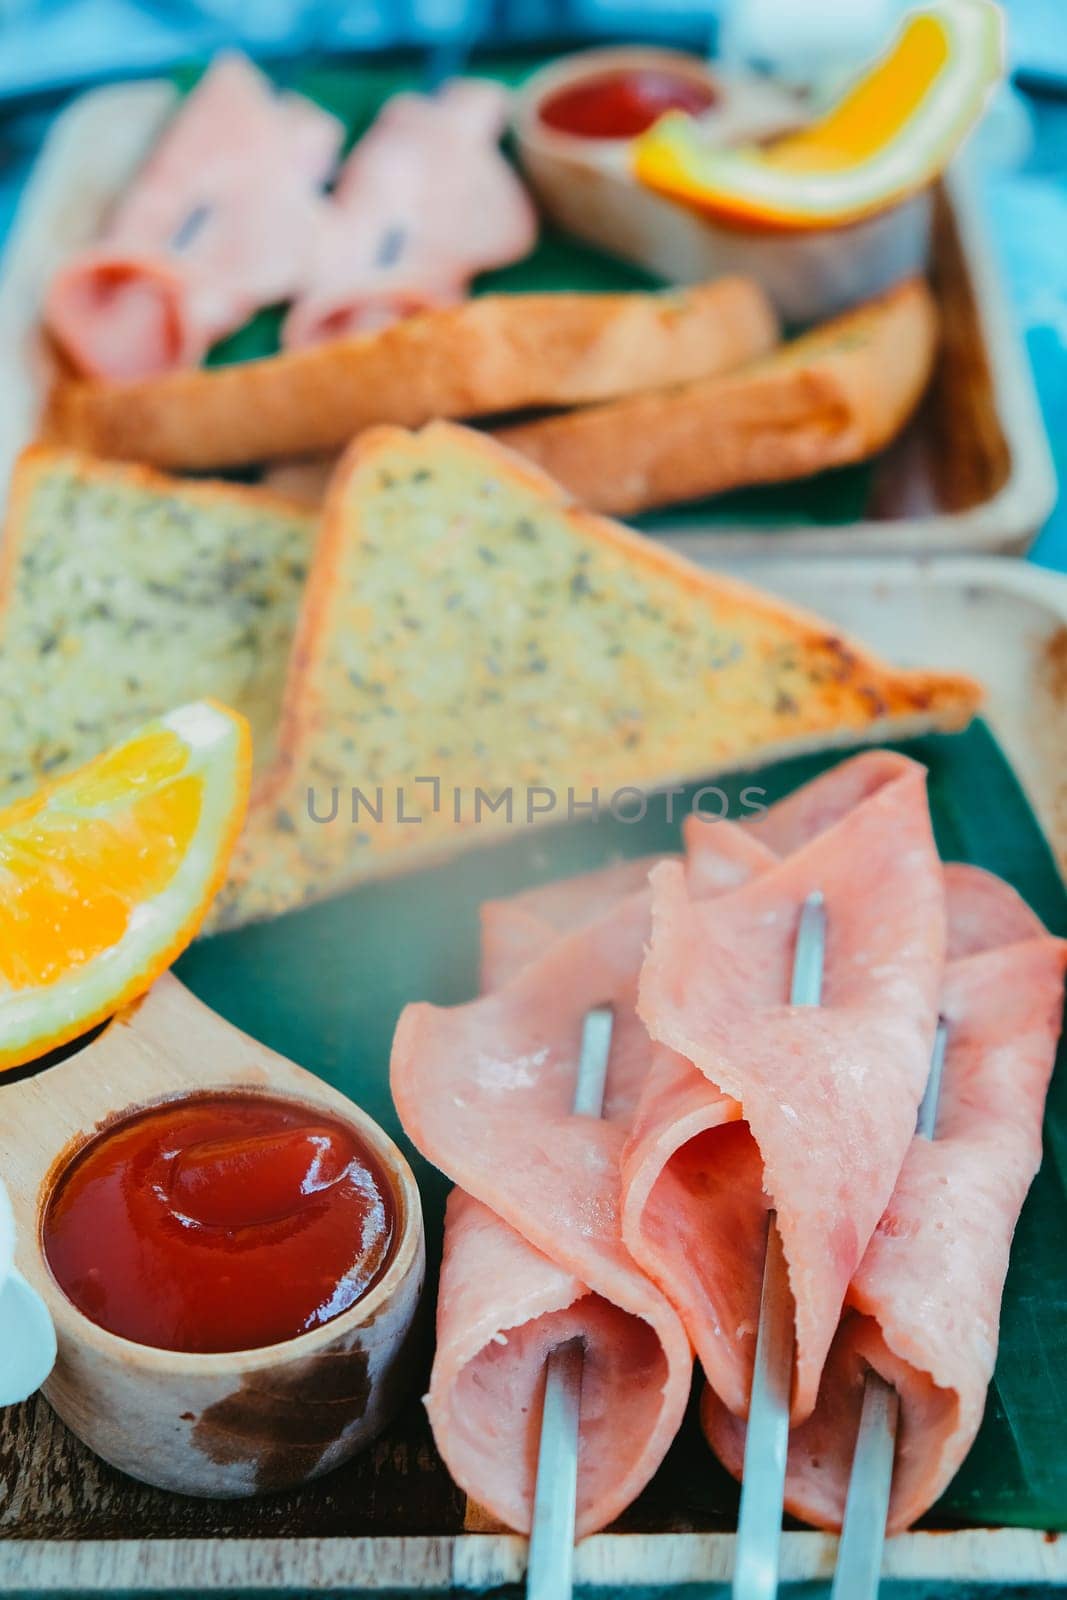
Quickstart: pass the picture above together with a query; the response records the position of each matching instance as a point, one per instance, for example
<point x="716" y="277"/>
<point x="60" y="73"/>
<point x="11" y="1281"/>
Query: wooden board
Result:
<point x="957" y="1565"/>
<point x="973" y="472"/>
<point x="392" y="1519"/>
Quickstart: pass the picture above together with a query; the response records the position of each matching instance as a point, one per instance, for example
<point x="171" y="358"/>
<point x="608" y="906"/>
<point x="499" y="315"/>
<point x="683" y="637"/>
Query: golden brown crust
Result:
<point x="495" y="354"/>
<point x="950" y="700"/>
<point x="835" y="396"/>
<point x="840" y="692"/>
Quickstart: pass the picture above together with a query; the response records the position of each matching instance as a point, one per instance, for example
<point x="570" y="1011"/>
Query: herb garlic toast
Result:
<point x="487" y="356"/>
<point x="467" y="627"/>
<point x="836" y="395"/>
<point x="124" y="593"/>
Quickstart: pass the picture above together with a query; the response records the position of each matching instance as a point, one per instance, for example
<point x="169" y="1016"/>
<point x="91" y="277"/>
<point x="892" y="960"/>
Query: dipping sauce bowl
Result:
<point x="587" y="186"/>
<point x="204" y="1420"/>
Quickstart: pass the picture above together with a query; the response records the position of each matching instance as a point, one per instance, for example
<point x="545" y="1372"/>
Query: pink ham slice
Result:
<point x="669" y="1171"/>
<point x="751" y="1103"/>
<point x="533" y="1248"/>
<point x="517" y="930"/>
<point x="667" y="1164"/>
<point x="423" y="203"/>
<point x="923" y="1309"/>
<point x="219" y="222"/>
<point x="503" y="1306"/>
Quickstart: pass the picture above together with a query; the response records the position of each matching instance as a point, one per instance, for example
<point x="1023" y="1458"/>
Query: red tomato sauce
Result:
<point x="220" y="1222"/>
<point x="623" y="103"/>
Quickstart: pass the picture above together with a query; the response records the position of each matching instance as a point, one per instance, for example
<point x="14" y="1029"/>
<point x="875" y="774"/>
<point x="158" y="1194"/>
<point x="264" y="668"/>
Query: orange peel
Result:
<point x="106" y="874"/>
<point x="888" y="136"/>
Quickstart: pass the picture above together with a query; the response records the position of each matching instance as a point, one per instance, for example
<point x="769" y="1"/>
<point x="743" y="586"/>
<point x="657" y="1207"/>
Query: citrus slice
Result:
<point x="106" y="874"/>
<point x="890" y="134"/>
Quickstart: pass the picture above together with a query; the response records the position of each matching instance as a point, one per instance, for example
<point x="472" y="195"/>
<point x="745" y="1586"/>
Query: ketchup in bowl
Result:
<point x="623" y="102"/>
<point x="220" y="1222"/>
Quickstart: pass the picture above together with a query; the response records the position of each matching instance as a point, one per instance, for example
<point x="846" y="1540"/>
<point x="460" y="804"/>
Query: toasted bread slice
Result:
<point x="466" y="628"/>
<point x="837" y="395"/>
<point x="495" y="354"/>
<point x="124" y="593"/>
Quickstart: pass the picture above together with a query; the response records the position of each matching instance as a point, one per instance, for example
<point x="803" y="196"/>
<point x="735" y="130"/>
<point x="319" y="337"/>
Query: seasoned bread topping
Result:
<point x="467" y="624"/>
<point x="124" y="593"/>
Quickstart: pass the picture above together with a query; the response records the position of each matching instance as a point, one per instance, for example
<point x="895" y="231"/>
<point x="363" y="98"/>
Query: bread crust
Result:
<point x="495" y="354"/>
<point x="855" y="696"/>
<point x="832" y="397"/>
<point x="949" y="700"/>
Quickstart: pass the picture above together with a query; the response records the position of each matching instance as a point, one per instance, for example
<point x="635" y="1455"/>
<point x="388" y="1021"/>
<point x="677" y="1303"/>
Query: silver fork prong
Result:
<point x="759" y="1521"/>
<point x="550" y="1564"/>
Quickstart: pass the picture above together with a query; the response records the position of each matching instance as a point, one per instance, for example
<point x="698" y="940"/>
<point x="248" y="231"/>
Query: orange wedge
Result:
<point x="893" y="132"/>
<point x="106" y="875"/>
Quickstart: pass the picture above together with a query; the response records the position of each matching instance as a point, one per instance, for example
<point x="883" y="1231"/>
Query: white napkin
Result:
<point x="27" y="1337"/>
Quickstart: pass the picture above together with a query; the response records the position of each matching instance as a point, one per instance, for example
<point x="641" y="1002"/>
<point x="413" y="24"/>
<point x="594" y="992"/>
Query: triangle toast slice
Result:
<point x="467" y="627"/>
<point x="124" y="593"/>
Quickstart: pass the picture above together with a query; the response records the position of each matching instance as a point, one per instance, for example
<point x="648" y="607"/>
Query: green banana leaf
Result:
<point x="325" y="986"/>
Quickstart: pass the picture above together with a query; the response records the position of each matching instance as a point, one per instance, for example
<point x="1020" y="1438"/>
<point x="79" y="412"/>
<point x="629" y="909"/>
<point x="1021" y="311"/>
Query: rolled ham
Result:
<point x="516" y="931"/>
<point x="921" y="1300"/>
<point x="533" y="1243"/>
<point x="923" y="1309"/>
<point x="424" y="202"/>
<point x="219" y="221"/>
<point x="751" y="1103"/>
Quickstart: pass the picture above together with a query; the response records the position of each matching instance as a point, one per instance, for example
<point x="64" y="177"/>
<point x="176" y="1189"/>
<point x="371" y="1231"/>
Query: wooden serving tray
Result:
<point x="392" y="1520"/>
<point x="972" y="473"/>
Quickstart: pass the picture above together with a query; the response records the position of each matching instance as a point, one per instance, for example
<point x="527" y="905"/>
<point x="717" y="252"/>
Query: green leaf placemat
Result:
<point x="325" y="986"/>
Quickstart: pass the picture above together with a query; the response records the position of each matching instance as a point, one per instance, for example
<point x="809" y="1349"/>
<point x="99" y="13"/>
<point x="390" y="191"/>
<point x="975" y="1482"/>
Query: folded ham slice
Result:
<point x="533" y="1247"/>
<point x="751" y="1103"/>
<point x="219" y="222"/>
<point x="702" y="1164"/>
<point x="517" y="930"/>
<point x="923" y="1309"/>
<point x="424" y="202"/>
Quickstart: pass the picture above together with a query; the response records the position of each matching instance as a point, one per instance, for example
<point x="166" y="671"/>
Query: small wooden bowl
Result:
<point x="219" y="1425"/>
<point x="588" y="188"/>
